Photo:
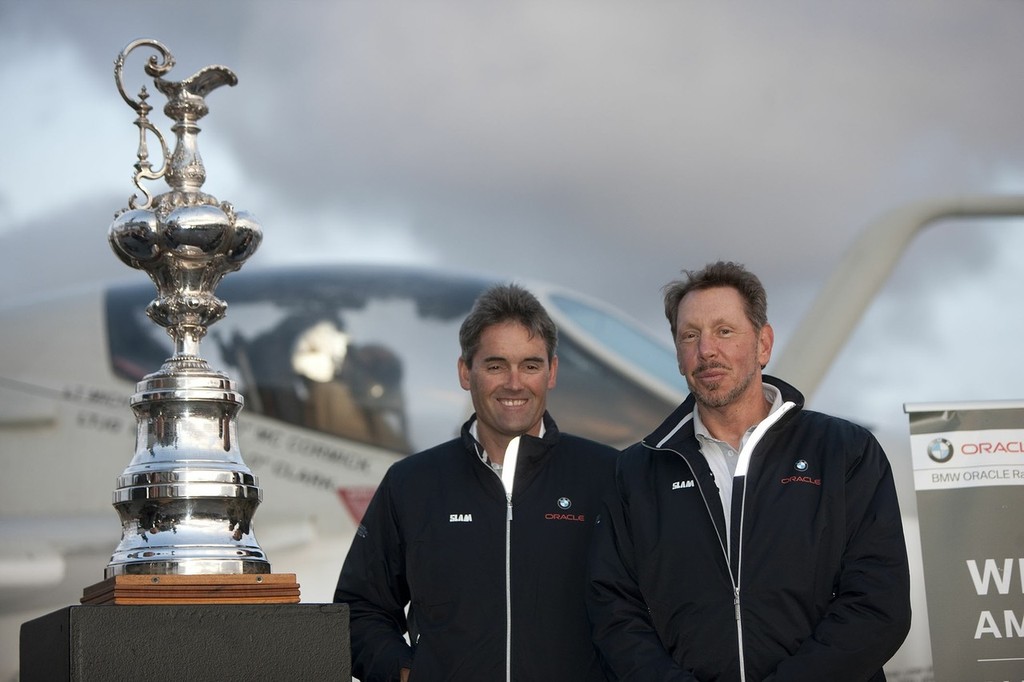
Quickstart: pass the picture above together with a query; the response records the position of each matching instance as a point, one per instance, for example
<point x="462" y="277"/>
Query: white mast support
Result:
<point x="855" y="283"/>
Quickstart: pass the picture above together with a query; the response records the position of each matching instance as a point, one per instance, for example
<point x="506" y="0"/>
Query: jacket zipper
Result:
<point x="742" y="467"/>
<point x="508" y="588"/>
<point x="508" y="581"/>
<point x="739" y="631"/>
<point x="508" y="473"/>
<point x="507" y="481"/>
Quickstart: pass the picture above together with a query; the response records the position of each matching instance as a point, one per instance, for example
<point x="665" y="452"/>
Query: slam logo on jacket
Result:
<point x="679" y="485"/>
<point x="460" y="518"/>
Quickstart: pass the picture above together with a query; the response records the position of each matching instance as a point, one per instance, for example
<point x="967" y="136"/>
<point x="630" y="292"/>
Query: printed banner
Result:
<point x="969" y="475"/>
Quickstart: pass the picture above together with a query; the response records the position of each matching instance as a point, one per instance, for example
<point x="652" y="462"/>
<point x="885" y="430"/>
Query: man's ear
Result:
<point x="765" y="342"/>
<point x="463" y="374"/>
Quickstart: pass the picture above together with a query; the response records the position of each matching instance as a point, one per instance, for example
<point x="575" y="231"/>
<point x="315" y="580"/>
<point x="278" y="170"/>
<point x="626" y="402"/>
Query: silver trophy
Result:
<point x="186" y="500"/>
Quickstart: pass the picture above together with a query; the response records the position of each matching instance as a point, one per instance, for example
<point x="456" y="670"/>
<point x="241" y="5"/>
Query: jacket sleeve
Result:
<point x="374" y="586"/>
<point x="620" y="622"/>
<point x="869" y="617"/>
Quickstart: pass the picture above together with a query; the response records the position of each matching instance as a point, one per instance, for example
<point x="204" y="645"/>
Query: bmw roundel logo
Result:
<point x="564" y="503"/>
<point x="940" y="450"/>
<point x="801" y="465"/>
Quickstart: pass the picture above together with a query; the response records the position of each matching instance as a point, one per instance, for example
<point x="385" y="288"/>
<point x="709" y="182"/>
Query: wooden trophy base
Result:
<point x="246" y="588"/>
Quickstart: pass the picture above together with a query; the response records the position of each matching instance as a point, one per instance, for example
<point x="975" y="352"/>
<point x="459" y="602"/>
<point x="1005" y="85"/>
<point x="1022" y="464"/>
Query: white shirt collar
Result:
<point x="771" y="394"/>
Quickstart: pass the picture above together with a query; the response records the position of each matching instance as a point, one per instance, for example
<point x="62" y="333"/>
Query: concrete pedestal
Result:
<point x="190" y="643"/>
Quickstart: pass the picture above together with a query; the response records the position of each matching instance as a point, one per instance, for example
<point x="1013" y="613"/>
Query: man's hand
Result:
<point x="403" y="675"/>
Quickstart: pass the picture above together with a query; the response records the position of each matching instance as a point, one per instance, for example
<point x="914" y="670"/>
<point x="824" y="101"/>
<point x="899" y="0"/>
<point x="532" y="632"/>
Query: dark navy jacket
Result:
<point x="437" y="535"/>
<point x="816" y="583"/>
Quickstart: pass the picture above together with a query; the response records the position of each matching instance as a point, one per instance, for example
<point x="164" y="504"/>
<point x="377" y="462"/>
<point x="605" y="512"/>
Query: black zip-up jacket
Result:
<point x="816" y="583"/>
<point x="441" y="535"/>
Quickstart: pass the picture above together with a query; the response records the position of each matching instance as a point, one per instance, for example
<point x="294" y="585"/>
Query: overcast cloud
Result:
<point x="597" y="145"/>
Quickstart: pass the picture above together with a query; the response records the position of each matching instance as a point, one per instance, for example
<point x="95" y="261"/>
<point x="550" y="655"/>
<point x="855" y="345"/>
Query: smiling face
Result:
<point x="720" y="352"/>
<point x="508" y="379"/>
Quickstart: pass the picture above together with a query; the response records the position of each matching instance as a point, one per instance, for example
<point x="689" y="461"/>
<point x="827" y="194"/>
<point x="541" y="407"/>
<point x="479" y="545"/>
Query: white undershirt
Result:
<point x="722" y="457"/>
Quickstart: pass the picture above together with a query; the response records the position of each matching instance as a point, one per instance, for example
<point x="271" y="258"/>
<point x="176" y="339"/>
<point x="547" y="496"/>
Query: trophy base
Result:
<point x="263" y="588"/>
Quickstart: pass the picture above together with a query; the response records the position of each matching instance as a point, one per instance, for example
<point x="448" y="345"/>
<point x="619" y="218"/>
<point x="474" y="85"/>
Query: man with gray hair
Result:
<point x="484" y="537"/>
<point x="748" y="538"/>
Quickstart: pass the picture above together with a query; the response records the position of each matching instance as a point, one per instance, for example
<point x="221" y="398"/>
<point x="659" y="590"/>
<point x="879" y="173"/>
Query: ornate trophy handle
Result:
<point x="156" y="66"/>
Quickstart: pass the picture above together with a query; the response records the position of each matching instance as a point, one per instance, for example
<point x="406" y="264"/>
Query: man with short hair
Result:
<point x="748" y="539"/>
<point x="484" y="537"/>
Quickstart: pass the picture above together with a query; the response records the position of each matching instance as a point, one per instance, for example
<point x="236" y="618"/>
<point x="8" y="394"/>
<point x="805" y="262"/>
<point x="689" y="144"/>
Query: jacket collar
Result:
<point x="531" y="448"/>
<point x="680" y="422"/>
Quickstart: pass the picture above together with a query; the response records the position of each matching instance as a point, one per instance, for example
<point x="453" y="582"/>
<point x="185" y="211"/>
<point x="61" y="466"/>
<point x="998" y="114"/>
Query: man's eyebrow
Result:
<point x="717" y="322"/>
<point x="502" y="358"/>
<point x="495" y="358"/>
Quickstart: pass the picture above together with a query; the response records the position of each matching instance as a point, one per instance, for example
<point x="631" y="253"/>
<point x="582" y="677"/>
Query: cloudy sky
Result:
<point x="601" y="146"/>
